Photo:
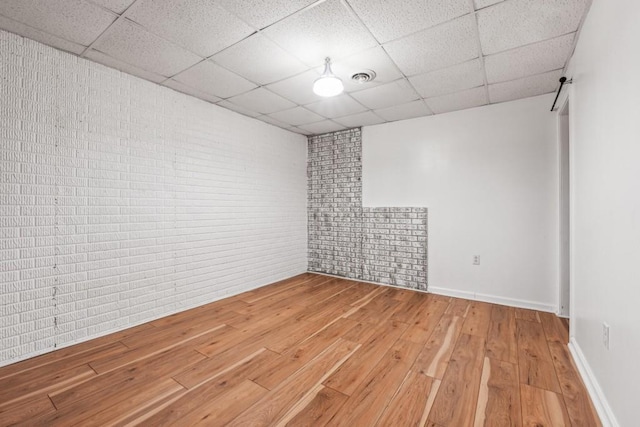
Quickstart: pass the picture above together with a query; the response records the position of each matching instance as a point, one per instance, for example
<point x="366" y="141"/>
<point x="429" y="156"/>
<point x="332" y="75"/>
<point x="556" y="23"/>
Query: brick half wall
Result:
<point x="383" y="244"/>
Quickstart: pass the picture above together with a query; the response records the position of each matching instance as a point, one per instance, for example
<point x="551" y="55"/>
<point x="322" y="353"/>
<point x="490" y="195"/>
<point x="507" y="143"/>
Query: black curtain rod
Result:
<point x="563" y="80"/>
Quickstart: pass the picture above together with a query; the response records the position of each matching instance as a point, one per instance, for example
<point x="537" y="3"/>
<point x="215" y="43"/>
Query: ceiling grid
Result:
<point x="261" y="57"/>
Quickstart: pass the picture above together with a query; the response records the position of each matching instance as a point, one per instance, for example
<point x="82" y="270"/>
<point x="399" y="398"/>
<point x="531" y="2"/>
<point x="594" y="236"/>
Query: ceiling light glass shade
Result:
<point x="328" y="84"/>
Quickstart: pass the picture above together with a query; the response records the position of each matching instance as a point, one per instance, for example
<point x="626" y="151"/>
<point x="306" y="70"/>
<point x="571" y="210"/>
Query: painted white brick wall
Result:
<point x="122" y="201"/>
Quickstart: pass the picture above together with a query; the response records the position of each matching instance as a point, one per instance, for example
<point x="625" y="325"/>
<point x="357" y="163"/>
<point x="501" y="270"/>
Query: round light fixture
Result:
<point x="328" y="84"/>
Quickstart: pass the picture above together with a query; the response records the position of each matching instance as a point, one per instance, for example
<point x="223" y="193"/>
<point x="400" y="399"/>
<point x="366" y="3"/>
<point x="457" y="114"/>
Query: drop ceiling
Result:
<point x="260" y="57"/>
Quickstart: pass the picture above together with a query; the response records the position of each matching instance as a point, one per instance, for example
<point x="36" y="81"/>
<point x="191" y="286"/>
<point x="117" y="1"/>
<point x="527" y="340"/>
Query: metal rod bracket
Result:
<point x="563" y="81"/>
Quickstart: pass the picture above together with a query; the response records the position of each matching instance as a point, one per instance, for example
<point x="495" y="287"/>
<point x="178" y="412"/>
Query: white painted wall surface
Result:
<point x="605" y="149"/>
<point x="489" y="177"/>
<point x="122" y="201"/>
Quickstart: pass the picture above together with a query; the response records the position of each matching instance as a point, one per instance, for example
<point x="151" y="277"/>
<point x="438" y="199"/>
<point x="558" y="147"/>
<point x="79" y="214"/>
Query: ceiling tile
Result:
<point x="261" y="13"/>
<point x="238" y="109"/>
<point x="480" y="4"/>
<point x="458" y="101"/>
<point x="212" y="78"/>
<point x="117" y="6"/>
<point x="74" y="20"/>
<point x="327" y="29"/>
<point x="526" y="87"/>
<point x="529" y="60"/>
<point x="391" y="19"/>
<point x="259" y="59"/>
<point x="398" y="92"/>
<point x="298" y="89"/>
<point x="198" y="25"/>
<point x="322" y="127"/>
<point x="375" y="59"/>
<point x="337" y="106"/>
<point x="518" y="22"/>
<point x="300" y="131"/>
<point x="180" y="87"/>
<point x="130" y="43"/>
<point x="272" y="121"/>
<point x="447" y="80"/>
<point x="404" y="111"/>
<point x="262" y="101"/>
<point x="439" y="47"/>
<point x="101" y="58"/>
<point x="296" y="116"/>
<point x="40" y="36"/>
<point x="361" y="119"/>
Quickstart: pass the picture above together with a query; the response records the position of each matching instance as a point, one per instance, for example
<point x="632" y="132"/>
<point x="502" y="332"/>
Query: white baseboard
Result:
<point x="598" y="398"/>
<point x="461" y="294"/>
<point x="493" y="299"/>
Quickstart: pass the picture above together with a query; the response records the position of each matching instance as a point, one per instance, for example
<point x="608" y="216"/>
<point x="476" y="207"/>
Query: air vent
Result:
<point x="363" y="76"/>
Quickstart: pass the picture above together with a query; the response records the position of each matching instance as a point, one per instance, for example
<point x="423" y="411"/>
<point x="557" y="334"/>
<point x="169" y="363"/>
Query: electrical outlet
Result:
<point x="476" y="260"/>
<point x="605" y="335"/>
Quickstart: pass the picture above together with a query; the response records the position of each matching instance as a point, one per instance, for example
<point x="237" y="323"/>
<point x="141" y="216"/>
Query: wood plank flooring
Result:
<point x="312" y="351"/>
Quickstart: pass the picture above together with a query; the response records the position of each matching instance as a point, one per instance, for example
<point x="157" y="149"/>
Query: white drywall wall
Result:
<point x="489" y="177"/>
<point x="605" y="151"/>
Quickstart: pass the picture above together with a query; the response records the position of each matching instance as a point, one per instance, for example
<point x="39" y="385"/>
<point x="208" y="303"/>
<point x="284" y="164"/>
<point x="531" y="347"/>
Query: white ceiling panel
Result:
<point x="130" y="43"/>
<point x="529" y="60"/>
<point x="439" y="47"/>
<point x="259" y="59"/>
<point x="297" y="116"/>
<point x="516" y="23"/>
<point x="404" y="111"/>
<point x="41" y="36"/>
<point x="447" y="80"/>
<point x="480" y="4"/>
<point x="361" y="119"/>
<point x="261" y="13"/>
<point x="272" y="121"/>
<point x="100" y="57"/>
<point x="298" y="88"/>
<point x="398" y="92"/>
<point x="180" y="87"/>
<point x="74" y="20"/>
<point x="526" y="87"/>
<point x="338" y="106"/>
<point x="215" y="80"/>
<point x="262" y="101"/>
<point x="322" y="127"/>
<point x="392" y="19"/>
<point x="238" y="109"/>
<point x="327" y="29"/>
<point x="299" y="130"/>
<point x="117" y="6"/>
<point x="458" y="101"/>
<point x="375" y="59"/>
<point x="198" y="25"/>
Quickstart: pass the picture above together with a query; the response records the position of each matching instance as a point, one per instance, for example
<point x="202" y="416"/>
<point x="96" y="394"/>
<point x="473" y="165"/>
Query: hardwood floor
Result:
<point x="312" y="351"/>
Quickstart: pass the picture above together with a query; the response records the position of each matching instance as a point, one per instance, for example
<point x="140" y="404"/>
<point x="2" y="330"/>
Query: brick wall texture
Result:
<point x="122" y="201"/>
<point x="384" y="245"/>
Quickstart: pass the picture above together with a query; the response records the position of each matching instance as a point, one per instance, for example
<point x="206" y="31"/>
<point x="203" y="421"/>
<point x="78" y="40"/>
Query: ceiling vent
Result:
<point x="363" y="76"/>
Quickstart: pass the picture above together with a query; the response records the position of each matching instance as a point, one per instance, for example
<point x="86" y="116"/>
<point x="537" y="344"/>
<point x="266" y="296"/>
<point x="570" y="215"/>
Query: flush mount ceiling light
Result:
<point x="328" y="84"/>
